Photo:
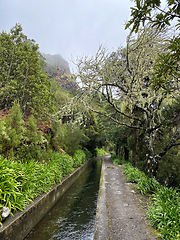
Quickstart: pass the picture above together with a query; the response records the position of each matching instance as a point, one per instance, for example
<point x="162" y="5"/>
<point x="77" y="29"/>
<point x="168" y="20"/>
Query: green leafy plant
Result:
<point x="117" y="160"/>
<point x="12" y="130"/>
<point x="21" y="75"/>
<point x="79" y="158"/>
<point x="144" y="183"/>
<point x="164" y="212"/>
<point x="34" y="143"/>
<point x="100" y="152"/>
<point x="21" y="182"/>
<point x="164" y="207"/>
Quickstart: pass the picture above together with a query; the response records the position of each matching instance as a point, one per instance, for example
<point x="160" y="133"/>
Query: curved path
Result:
<point x="119" y="216"/>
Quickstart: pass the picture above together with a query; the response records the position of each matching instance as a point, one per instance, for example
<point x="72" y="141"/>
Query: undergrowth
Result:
<point x="164" y="205"/>
<point x="100" y="152"/>
<point x="22" y="181"/>
<point x="117" y="160"/>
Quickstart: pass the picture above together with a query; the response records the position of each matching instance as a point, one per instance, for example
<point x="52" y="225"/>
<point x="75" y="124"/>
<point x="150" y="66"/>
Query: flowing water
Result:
<point x="73" y="216"/>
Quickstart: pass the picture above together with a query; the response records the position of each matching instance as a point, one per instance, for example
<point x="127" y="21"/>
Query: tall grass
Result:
<point x="164" y="205"/>
<point x="21" y="182"/>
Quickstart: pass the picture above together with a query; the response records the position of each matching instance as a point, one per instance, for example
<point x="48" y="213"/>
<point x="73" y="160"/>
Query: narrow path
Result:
<point x="118" y="214"/>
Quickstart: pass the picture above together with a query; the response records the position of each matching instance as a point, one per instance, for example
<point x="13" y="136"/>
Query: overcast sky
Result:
<point x="68" y="27"/>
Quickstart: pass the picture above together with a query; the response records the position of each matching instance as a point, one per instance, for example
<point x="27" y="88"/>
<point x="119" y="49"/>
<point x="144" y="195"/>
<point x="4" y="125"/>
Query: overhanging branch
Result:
<point x="113" y="119"/>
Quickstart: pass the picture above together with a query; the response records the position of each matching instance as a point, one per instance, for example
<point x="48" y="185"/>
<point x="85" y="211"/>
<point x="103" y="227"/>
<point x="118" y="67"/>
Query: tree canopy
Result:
<point x="152" y="11"/>
<point x="167" y="68"/>
<point x="21" y="75"/>
<point x="123" y="78"/>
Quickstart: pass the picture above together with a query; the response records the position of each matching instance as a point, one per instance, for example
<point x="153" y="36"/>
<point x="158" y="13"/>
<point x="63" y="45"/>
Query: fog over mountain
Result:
<point x="56" y="62"/>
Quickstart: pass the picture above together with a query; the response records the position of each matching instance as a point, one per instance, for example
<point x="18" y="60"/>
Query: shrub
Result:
<point x="117" y="160"/>
<point x="100" y="152"/>
<point x="66" y="137"/>
<point x="12" y="131"/>
<point x="88" y="153"/>
<point x="63" y="161"/>
<point x="79" y="158"/>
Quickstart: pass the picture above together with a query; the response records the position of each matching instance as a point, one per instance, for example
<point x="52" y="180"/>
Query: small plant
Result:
<point x="79" y="158"/>
<point x="117" y="160"/>
<point x="164" y="212"/>
<point x="88" y="153"/>
<point x="100" y="152"/>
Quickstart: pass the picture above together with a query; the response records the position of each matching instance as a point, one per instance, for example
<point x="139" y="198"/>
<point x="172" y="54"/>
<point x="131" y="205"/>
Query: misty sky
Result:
<point x="68" y="27"/>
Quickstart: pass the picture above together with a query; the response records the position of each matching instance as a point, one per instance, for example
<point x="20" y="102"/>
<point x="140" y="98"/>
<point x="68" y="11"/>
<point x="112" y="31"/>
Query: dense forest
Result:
<point x="128" y="103"/>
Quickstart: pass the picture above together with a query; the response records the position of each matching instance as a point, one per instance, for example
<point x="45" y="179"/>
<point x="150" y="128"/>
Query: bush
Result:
<point x="117" y="160"/>
<point x="66" y="137"/>
<point x="88" y="153"/>
<point x="79" y="158"/>
<point x="12" y="131"/>
<point x="100" y="152"/>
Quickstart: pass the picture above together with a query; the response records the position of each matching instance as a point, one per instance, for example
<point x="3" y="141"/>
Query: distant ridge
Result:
<point x="56" y="62"/>
<point x="58" y="68"/>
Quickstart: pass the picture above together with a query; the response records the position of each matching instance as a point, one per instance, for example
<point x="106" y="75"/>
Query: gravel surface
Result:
<point x="121" y="206"/>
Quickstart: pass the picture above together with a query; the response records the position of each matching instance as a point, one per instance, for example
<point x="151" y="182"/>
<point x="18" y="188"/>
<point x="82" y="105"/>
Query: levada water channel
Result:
<point x="73" y="216"/>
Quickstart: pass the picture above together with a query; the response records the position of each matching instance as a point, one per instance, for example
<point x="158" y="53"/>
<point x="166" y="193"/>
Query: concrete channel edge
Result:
<point x="101" y="229"/>
<point x="18" y="226"/>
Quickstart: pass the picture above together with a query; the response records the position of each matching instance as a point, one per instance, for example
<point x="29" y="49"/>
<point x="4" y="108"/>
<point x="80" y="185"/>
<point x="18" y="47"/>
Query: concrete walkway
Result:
<point x="119" y="216"/>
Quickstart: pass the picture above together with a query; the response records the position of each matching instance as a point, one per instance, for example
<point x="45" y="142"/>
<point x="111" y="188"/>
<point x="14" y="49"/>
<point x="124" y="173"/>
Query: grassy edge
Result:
<point x="163" y="208"/>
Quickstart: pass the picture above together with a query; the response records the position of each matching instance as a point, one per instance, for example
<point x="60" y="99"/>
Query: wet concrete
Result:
<point x="118" y="215"/>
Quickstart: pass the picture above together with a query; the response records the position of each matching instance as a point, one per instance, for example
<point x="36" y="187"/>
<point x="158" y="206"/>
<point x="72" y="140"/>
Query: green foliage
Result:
<point x="21" y="182"/>
<point x="65" y="162"/>
<point x="66" y="137"/>
<point x="62" y="96"/>
<point x="12" y="130"/>
<point x="100" y="152"/>
<point x="131" y="142"/>
<point x="88" y="153"/>
<point x="79" y="158"/>
<point x="169" y="170"/>
<point x="21" y="139"/>
<point x="144" y="184"/>
<point x="91" y="132"/>
<point x="167" y="67"/>
<point x="164" y="208"/>
<point x="21" y="75"/>
<point x="164" y="212"/>
<point x="117" y="160"/>
<point x="151" y="10"/>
